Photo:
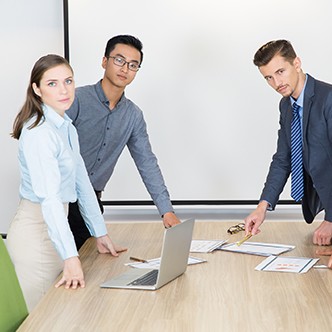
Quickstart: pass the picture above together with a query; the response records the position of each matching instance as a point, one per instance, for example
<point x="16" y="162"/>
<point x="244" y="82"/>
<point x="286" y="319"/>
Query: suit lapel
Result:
<point x="307" y="103"/>
<point x="288" y="120"/>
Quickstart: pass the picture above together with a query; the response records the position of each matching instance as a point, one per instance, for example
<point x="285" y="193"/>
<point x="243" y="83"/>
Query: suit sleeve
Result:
<point x="280" y="166"/>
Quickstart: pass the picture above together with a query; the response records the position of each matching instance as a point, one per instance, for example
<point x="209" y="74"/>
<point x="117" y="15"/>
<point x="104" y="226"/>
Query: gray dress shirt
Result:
<point x="104" y="133"/>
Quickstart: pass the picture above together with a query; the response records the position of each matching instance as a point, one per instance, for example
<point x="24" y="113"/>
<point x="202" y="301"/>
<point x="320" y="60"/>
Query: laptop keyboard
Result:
<point x="148" y="279"/>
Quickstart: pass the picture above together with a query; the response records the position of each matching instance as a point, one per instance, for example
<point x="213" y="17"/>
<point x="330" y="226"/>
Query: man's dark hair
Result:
<point x="281" y="47"/>
<point x="124" y="39"/>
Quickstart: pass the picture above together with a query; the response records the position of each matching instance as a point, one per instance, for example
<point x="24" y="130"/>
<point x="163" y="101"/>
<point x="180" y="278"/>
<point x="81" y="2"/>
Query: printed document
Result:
<point x="205" y="245"/>
<point x="257" y="248"/>
<point x="155" y="263"/>
<point x="287" y="264"/>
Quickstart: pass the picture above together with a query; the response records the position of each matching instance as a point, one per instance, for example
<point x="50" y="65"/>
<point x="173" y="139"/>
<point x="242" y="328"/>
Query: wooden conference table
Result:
<point x="224" y="294"/>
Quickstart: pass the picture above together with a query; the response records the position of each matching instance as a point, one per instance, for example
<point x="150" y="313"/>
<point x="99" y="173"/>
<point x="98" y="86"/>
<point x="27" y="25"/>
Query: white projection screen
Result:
<point x="212" y="119"/>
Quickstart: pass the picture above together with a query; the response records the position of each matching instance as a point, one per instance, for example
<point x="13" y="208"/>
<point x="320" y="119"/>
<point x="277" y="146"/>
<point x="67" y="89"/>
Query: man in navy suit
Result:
<point x="281" y="68"/>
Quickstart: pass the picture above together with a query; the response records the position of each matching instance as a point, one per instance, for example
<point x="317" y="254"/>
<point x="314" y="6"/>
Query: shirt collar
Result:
<point x="299" y="100"/>
<point x="53" y="117"/>
<point x="103" y="98"/>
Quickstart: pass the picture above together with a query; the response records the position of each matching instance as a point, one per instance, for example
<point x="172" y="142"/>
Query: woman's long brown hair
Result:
<point x="33" y="103"/>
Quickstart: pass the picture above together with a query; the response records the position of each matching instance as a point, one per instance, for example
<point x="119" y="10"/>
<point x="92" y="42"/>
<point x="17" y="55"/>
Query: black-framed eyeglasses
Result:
<point x="236" y="228"/>
<point x="118" y="61"/>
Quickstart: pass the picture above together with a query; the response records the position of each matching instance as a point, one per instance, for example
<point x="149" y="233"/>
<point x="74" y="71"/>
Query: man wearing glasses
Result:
<point x="106" y="122"/>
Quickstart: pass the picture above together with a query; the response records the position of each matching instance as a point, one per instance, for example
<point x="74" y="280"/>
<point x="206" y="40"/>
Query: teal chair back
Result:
<point x="13" y="309"/>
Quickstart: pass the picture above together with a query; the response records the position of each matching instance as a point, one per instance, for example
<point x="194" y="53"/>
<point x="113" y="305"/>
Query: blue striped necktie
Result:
<point x="297" y="187"/>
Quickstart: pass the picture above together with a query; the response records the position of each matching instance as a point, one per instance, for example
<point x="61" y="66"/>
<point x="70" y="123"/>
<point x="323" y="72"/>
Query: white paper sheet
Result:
<point x="155" y="263"/>
<point x="205" y="245"/>
<point x="286" y="264"/>
<point x="257" y="248"/>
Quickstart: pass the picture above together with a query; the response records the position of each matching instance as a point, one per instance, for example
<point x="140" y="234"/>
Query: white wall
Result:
<point x="211" y="117"/>
<point x="28" y="30"/>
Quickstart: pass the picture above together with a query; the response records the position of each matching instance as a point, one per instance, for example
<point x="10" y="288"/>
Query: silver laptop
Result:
<point x="173" y="262"/>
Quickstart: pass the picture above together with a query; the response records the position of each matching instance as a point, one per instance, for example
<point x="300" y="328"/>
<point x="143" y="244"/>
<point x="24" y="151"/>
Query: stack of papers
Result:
<point x="257" y="248"/>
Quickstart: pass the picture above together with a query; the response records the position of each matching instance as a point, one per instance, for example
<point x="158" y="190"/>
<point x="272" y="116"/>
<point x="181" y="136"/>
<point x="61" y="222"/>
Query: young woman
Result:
<point x="53" y="174"/>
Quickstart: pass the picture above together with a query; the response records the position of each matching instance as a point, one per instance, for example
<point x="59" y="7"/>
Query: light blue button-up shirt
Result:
<point x="53" y="173"/>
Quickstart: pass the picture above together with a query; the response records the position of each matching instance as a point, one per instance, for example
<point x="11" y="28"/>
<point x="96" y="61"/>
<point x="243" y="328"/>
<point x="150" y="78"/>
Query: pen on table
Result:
<point x="138" y="259"/>
<point x="247" y="237"/>
<point x="321" y="266"/>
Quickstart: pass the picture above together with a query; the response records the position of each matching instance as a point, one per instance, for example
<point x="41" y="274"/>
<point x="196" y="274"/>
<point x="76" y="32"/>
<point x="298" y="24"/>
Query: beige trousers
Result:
<point x="36" y="261"/>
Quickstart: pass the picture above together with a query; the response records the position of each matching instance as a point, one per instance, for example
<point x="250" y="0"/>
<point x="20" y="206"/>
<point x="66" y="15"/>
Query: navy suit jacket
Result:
<point x="317" y="151"/>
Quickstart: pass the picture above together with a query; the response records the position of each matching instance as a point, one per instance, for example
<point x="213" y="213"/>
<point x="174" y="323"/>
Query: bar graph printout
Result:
<point x="287" y="264"/>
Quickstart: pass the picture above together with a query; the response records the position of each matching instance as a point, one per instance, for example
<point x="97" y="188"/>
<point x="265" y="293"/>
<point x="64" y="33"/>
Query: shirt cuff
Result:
<point x="269" y="205"/>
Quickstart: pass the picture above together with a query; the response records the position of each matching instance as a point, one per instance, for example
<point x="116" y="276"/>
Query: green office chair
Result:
<point x="13" y="309"/>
